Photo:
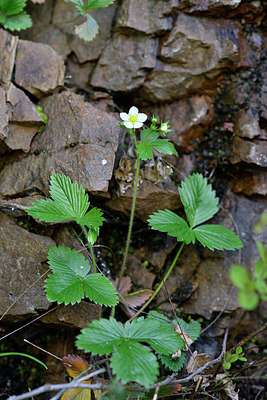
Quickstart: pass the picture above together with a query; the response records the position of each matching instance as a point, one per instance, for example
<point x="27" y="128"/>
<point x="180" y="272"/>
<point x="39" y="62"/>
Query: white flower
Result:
<point x="133" y="119"/>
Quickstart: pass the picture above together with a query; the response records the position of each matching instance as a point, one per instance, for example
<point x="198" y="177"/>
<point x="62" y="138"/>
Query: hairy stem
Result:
<point x="131" y="217"/>
<point x="161" y="283"/>
<point x="56" y="23"/>
<point x="91" y="249"/>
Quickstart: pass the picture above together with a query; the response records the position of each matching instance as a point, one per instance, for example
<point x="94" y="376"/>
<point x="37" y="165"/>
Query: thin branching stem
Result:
<point x="132" y="215"/>
<point x="161" y="283"/>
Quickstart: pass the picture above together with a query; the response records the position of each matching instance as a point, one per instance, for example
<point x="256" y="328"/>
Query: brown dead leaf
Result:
<point x="184" y="335"/>
<point x="229" y="388"/>
<point x="196" y="361"/>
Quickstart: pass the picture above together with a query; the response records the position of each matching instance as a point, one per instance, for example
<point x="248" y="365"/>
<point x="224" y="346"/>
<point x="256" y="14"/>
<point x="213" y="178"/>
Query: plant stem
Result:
<point x="161" y="283"/>
<point x="56" y="23"/>
<point x="91" y="249"/>
<point x="131" y="217"/>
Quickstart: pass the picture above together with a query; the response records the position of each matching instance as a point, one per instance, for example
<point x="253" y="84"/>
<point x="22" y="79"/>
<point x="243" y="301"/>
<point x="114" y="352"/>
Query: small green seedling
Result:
<point x="251" y="289"/>
<point x="230" y="358"/>
<point x="88" y="29"/>
<point x="12" y="15"/>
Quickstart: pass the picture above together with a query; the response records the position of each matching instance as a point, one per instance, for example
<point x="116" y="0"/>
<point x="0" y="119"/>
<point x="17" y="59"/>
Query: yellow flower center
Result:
<point x="133" y="119"/>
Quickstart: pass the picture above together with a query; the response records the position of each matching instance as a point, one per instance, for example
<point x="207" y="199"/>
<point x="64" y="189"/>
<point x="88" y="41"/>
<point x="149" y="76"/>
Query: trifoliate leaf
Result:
<point x="98" y="3"/>
<point x="88" y="30"/>
<point x="101" y="337"/>
<point x="198" y="199"/>
<point x="63" y="260"/>
<point x="70" y="196"/>
<point x="144" y="151"/>
<point x="173" y="364"/>
<point x="18" y="22"/>
<point x="78" y="4"/>
<point x="169" y="222"/>
<point x="12" y="7"/>
<point x="100" y="290"/>
<point x="217" y="237"/>
<point x="135" y="362"/>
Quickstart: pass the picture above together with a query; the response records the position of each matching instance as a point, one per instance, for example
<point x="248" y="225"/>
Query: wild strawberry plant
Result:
<point x="13" y="16"/>
<point x="132" y="347"/>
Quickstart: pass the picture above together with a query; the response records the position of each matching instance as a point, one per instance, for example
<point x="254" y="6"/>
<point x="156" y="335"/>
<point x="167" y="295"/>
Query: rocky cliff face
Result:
<point x="199" y="64"/>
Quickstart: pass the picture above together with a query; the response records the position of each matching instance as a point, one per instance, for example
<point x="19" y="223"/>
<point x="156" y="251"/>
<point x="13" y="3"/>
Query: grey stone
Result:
<point x="147" y="16"/>
<point x="197" y="51"/>
<point x="39" y="69"/>
<point x="250" y="152"/>
<point x="125" y="62"/>
<point x="8" y="46"/>
<point x="21" y="256"/>
<point x="3" y="115"/>
<point x="78" y="140"/>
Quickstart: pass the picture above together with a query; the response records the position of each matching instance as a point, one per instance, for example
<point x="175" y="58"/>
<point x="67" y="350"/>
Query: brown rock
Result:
<point x="74" y="316"/>
<point x="22" y="254"/>
<point x="24" y="120"/>
<point x="187" y="117"/>
<point x="147" y="16"/>
<point x="3" y="115"/>
<point x="247" y="125"/>
<point x="250" y="184"/>
<point x="197" y="51"/>
<point x="250" y="152"/>
<point x="140" y="276"/>
<point x="125" y="62"/>
<point x="39" y="69"/>
<point x="8" y="46"/>
<point x="76" y="74"/>
<point x="78" y="141"/>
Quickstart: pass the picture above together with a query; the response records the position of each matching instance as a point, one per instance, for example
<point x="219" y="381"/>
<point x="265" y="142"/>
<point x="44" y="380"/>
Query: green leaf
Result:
<point x="63" y="260"/>
<point x="98" y="3"/>
<point x="101" y="337"/>
<point x="69" y="196"/>
<point x="198" y="199"/>
<point x="227" y="364"/>
<point x="135" y="362"/>
<point x="78" y="4"/>
<point x="100" y="290"/>
<point x="169" y="222"/>
<point x="164" y="146"/>
<point x="192" y="328"/>
<point x="12" y="7"/>
<point x="240" y="276"/>
<point x="172" y="364"/>
<point x="239" y="350"/>
<point x="144" y="151"/>
<point x="249" y="300"/>
<point x="88" y="30"/>
<point x="18" y="22"/>
<point x="217" y="237"/>
<point x="260" y="270"/>
<point x="48" y="211"/>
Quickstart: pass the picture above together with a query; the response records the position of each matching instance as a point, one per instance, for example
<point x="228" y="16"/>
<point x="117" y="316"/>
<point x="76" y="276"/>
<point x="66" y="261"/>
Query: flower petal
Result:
<point x="142" y="117"/>
<point x="124" y="116"/>
<point x="133" y="111"/>
<point x="128" y="125"/>
<point x="138" y="124"/>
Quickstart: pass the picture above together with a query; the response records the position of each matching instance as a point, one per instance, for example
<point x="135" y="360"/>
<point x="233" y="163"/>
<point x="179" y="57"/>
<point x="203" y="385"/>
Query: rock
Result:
<point x="247" y="125"/>
<point x="125" y="62"/>
<point x="24" y="120"/>
<point x="250" y="152"/>
<point x="3" y="115"/>
<point x="8" y="47"/>
<point x="75" y="316"/>
<point x="39" y="69"/>
<point x="187" y="117"/>
<point x="140" y="276"/>
<point x="22" y="254"/>
<point x="250" y="184"/>
<point x="195" y="5"/>
<point x="147" y="16"/>
<point x="78" y="141"/>
<point x="78" y="75"/>
<point x="215" y="292"/>
<point x="197" y="51"/>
